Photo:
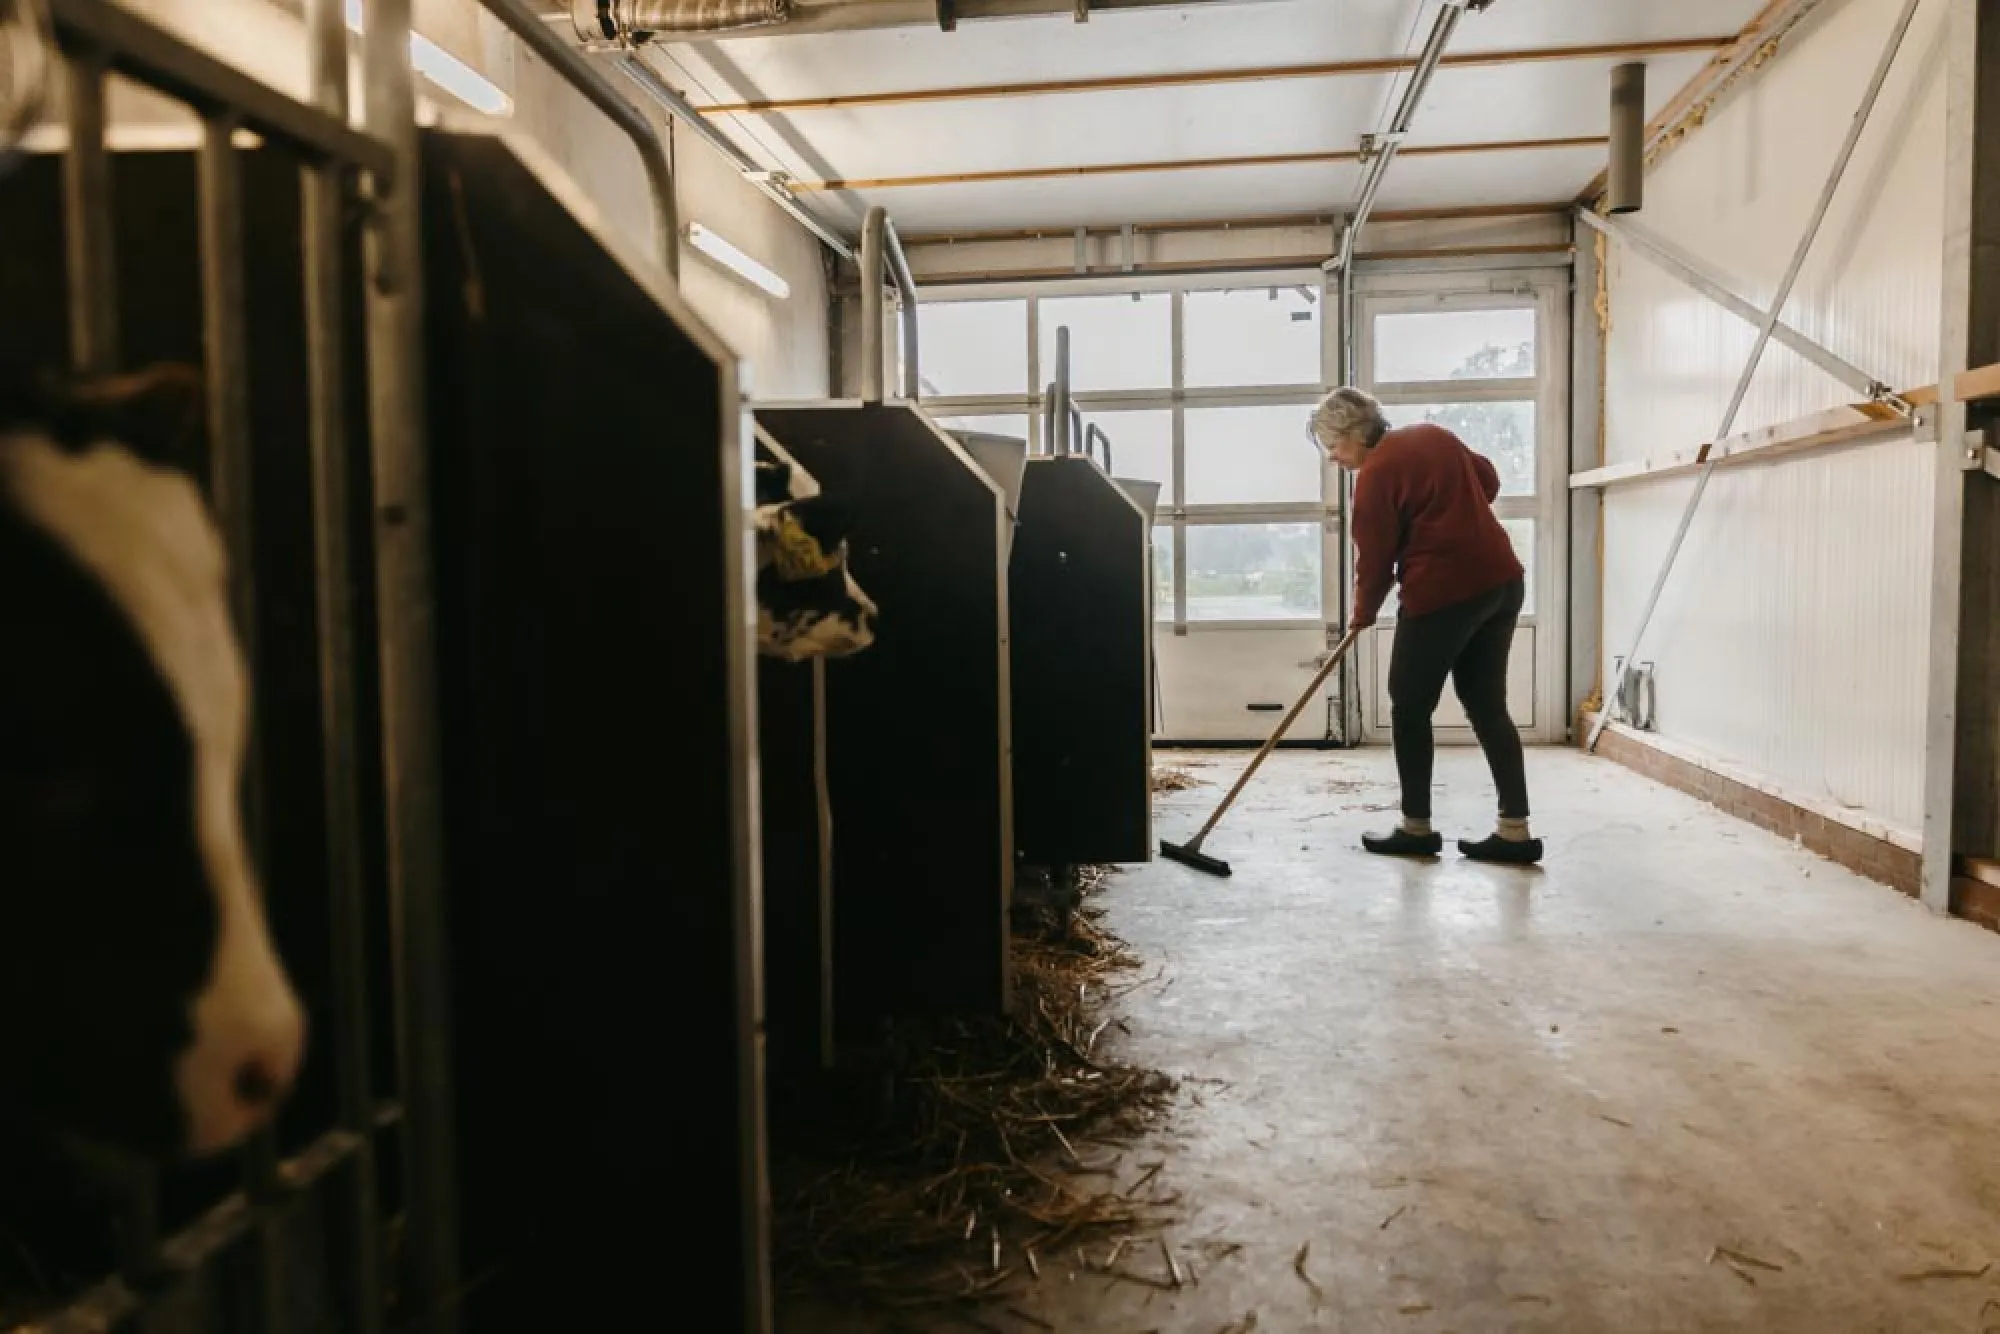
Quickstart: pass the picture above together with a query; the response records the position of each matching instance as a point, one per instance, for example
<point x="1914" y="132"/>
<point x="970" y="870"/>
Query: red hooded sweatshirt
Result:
<point x="1423" y="518"/>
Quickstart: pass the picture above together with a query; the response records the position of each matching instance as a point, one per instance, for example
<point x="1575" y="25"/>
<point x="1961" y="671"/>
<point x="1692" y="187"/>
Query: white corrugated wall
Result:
<point x="1791" y="638"/>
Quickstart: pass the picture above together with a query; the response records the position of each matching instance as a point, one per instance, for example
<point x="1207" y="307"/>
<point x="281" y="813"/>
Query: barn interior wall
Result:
<point x="1790" y="640"/>
<point x="783" y="341"/>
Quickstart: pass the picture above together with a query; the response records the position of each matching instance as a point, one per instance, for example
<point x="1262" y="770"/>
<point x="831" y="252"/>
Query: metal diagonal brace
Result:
<point x="1765" y="327"/>
<point x="1686" y="268"/>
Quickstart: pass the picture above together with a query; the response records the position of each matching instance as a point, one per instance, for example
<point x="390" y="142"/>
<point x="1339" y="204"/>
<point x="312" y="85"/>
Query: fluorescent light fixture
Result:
<point x="446" y="70"/>
<point x="729" y="257"/>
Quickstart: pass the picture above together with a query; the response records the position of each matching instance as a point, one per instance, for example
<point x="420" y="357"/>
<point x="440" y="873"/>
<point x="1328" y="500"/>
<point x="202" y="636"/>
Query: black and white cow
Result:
<point x="143" y="1008"/>
<point x="808" y="605"/>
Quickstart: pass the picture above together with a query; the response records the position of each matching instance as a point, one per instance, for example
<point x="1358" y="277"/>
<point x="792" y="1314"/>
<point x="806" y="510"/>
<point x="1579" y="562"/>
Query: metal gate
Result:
<point x="298" y="1236"/>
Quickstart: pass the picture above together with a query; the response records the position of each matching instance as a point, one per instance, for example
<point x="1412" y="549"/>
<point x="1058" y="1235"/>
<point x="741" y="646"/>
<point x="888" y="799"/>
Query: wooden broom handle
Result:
<point x="1270" y="743"/>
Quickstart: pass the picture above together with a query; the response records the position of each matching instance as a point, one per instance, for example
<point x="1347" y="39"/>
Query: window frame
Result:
<point x="1178" y="398"/>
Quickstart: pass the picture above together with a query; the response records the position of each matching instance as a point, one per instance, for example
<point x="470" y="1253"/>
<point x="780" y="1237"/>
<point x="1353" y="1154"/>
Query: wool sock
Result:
<point x="1416" y="828"/>
<point x="1514" y="831"/>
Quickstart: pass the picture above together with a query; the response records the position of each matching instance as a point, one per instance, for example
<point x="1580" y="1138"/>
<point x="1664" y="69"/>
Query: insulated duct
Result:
<point x="1625" y="178"/>
<point x="608" y="20"/>
<point x="618" y="21"/>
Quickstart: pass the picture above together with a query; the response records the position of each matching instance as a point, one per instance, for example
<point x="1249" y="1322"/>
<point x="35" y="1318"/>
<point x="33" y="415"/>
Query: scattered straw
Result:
<point x="939" y="1169"/>
<point x="1174" y="778"/>
<point x="1925" y="1275"/>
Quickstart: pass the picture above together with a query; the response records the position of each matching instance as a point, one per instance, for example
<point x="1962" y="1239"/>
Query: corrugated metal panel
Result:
<point x="1791" y="637"/>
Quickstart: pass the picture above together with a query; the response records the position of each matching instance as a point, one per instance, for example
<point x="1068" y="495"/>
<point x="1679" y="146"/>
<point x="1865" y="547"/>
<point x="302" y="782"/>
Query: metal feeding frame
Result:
<point x="99" y="38"/>
<point x="1765" y="329"/>
<point x="882" y="258"/>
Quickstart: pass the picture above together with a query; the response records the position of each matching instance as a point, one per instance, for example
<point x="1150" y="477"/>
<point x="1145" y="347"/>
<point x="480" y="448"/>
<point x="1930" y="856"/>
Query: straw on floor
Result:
<point x="964" y="1157"/>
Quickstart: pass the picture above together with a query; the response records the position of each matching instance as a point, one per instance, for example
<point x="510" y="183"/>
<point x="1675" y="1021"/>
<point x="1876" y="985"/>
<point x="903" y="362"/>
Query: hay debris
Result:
<point x="1174" y="778"/>
<point x="939" y="1170"/>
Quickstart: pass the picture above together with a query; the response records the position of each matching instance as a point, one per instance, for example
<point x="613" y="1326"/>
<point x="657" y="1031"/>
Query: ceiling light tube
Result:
<point x="447" y="71"/>
<point x="738" y="263"/>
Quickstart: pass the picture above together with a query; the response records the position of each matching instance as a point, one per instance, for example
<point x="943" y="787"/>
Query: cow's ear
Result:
<point x="825" y="519"/>
<point x="159" y="413"/>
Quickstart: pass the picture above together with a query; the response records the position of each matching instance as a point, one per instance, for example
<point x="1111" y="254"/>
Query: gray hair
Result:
<point x="1348" y="411"/>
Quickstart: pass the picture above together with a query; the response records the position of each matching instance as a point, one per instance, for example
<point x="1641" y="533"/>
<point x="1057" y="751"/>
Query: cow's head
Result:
<point x="142" y="1006"/>
<point x="808" y="605"/>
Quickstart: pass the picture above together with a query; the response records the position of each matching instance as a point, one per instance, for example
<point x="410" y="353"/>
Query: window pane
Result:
<point x="1247" y="456"/>
<point x="1015" y="425"/>
<point x="973" y="347"/>
<point x="1163" y="572"/>
<point x="1455" y="345"/>
<point x="1521" y="532"/>
<point x="1263" y="335"/>
<point x="1142" y="446"/>
<point x="1253" y="571"/>
<point x="1119" y="341"/>
<point x="1503" y="432"/>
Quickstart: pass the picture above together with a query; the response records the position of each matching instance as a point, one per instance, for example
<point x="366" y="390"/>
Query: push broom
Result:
<point x="1190" y="853"/>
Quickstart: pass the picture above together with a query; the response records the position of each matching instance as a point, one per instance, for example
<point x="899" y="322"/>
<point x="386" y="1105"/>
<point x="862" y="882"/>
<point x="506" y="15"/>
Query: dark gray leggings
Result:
<point x="1467" y="642"/>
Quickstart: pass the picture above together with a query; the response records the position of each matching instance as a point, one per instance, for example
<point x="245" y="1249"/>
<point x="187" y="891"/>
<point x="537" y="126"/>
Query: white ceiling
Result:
<point x="1049" y="132"/>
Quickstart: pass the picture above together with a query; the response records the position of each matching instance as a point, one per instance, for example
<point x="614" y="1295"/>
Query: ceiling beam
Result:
<point x="1246" y="264"/>
<point x="1190" y="164"/>
<point x="1558" y="208"/>
<point x="1193" y="78"/>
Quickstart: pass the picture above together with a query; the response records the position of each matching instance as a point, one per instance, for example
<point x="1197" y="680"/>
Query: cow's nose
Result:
<point x="265" y="1077"/>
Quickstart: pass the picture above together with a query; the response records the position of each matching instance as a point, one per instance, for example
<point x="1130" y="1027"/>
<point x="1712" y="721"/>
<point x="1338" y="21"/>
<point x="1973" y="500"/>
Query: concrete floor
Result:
<point x="1495" y="1099"/>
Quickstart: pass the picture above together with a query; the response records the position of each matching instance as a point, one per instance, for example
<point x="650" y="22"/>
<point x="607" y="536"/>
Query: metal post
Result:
<point x="1060" y="441"/>
<point x="406" y="615"/>
<point x="906" y="288"/>
<point x="93" y="280"/>
<point x="91" y="261"/>
<point x="1585" y="506"/>
<point x="226" y="355"/>
<point x="1961" y="731"/>
<point x="1625" y="179"/>
<point x="1344" y="374"/>
<point x="322" y="208"/>
<point x="871" y="305"/>
<point x="1688" y="270"/>
<point x="1770" y="320"/>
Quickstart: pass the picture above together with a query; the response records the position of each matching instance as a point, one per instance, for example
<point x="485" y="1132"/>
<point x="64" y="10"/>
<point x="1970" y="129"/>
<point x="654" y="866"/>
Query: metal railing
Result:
<point x="881" y="258"/>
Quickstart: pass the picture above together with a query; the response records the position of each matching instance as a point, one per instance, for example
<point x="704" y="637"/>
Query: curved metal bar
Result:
<point x="1096" y="432"/>
<point x="539" y="36"/>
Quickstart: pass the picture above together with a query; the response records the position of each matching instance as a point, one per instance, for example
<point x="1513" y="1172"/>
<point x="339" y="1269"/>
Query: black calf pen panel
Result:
<point x="798" y="883"/>
<point x="593" y="634"/>
<point x="917" y="723"/>
<point x="1079" y="600"/>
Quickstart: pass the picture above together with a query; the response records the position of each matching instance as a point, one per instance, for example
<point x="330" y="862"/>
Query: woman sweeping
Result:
<point x="1423" y="519"/>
